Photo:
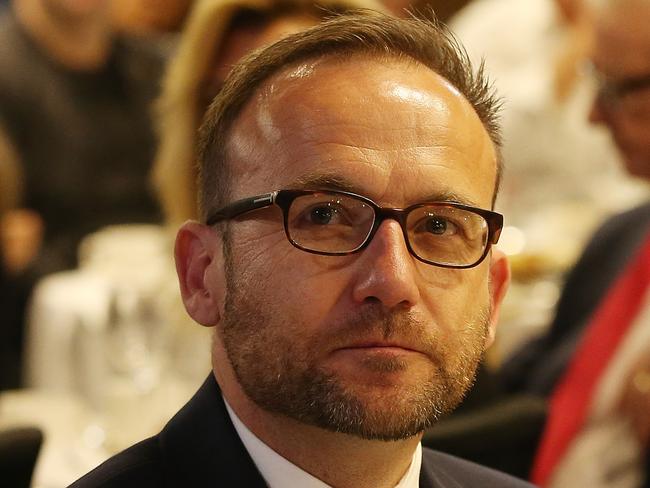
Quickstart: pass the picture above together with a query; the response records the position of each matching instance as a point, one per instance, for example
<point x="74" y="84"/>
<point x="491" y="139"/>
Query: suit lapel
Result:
<point x="427" y="475"/>
<point x="201" y="447"/>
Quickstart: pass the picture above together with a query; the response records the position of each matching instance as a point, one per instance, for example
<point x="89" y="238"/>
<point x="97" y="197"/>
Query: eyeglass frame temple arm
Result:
<point x="242" y="206"/>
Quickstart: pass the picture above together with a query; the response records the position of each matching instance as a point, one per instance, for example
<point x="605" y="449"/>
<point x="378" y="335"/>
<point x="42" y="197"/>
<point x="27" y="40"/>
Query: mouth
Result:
<point x="378" y="363"/>
<point x="379" y="347"/>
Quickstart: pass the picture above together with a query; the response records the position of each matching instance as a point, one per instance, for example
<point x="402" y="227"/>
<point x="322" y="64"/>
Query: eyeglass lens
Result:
<point x="329" y="222"/>
<point x="447" y="235"/>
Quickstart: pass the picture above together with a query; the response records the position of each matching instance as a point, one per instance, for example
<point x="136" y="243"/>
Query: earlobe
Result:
<point x="199" y="265"/>
<point x="498" y="285"/>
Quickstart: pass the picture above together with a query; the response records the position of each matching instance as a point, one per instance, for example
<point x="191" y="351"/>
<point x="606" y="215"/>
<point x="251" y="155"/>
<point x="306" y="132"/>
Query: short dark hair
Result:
<point x="357" y="32"/>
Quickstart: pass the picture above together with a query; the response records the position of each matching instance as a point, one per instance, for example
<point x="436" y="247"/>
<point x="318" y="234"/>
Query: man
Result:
<point x="343" y="326"/>
<point x="598" y="378"/>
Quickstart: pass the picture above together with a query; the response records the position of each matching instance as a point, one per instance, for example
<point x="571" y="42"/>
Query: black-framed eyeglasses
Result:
<point x="334" y="223"/>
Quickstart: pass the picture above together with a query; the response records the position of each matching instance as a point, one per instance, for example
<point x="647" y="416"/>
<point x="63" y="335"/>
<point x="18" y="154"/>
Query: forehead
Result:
<point x="621" y="33"/>
<point x="391" y="129"/>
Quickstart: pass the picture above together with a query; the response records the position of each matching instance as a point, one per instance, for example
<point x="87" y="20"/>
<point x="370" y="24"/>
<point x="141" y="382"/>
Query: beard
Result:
<point x="278" y="365"/>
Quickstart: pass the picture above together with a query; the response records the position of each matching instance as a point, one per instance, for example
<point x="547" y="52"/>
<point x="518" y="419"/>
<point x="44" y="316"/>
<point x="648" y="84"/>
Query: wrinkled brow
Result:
<point x="330" y="181"/>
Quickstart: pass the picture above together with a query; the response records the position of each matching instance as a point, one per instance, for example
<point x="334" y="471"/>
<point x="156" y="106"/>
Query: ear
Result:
<point x="498" y="285"/>
<point x="200" y="267"/>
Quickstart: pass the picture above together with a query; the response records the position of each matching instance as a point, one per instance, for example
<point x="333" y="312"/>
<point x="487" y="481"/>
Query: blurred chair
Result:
<point x="19" y="448"/>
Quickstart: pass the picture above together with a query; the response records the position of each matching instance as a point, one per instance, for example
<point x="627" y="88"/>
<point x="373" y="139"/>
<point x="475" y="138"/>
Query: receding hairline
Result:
<point x="281" y="81"/>
<point x="303" y="67"/>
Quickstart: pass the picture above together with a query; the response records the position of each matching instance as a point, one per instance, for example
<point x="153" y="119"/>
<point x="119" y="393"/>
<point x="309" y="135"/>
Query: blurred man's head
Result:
<point x="621" y="59"/>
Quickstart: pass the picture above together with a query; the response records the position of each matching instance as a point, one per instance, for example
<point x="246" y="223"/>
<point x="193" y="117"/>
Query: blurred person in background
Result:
<point x="75" y="101"/>
<point x="216" y="35"/>
<point x="75" y="106"/>
<point x="594" y="362"/>
<point x="534" y="51"/>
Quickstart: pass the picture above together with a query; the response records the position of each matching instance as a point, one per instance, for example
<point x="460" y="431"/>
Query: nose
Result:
<point x="386" y="270"/>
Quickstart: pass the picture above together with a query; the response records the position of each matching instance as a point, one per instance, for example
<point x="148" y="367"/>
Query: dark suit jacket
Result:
<point x="200" y="447"/>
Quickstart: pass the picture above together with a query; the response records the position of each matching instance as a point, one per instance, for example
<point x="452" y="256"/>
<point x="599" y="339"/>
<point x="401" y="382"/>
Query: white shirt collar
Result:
<point x="278" y="472"/>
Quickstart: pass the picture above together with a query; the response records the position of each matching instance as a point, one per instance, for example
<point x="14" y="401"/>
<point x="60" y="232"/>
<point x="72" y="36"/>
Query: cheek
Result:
<point x="262" y="255"/>
<point x="458" y="298"/>
<point x="304" y="286"/>
<point x="313" y="292"/>
<point x="462" y="318"/>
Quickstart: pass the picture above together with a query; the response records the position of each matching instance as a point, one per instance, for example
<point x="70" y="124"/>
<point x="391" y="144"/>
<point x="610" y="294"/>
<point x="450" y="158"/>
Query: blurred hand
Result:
<point x="635" y="401"/>
<point x="21" y="235"/>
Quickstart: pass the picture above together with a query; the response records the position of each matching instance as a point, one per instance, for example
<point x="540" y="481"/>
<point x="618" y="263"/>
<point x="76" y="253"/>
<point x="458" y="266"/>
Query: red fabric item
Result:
<point x="569" y="403"/>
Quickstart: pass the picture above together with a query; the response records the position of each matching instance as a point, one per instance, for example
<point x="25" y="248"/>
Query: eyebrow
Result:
<point x="328" y="181"/>
<point x="324" y="181"/>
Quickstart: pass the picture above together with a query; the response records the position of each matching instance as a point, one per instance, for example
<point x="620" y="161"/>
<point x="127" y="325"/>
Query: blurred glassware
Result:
<point x="104" y="332"/>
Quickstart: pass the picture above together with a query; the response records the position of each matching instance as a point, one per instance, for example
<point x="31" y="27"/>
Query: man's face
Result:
<point x="374" y="344"/>
<point x="622" y="53"/>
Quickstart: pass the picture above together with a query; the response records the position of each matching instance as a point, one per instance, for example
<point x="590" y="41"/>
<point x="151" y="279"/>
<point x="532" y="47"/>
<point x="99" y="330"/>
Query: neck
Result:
<point x="340" y="460"/>
<point x="79" y="43"/>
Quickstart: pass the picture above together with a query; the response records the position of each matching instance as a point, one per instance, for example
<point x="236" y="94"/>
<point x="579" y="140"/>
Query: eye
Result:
<point x="330" y="212"/>
<point x="321" y="215"/>
<point x="438" y="225"/>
